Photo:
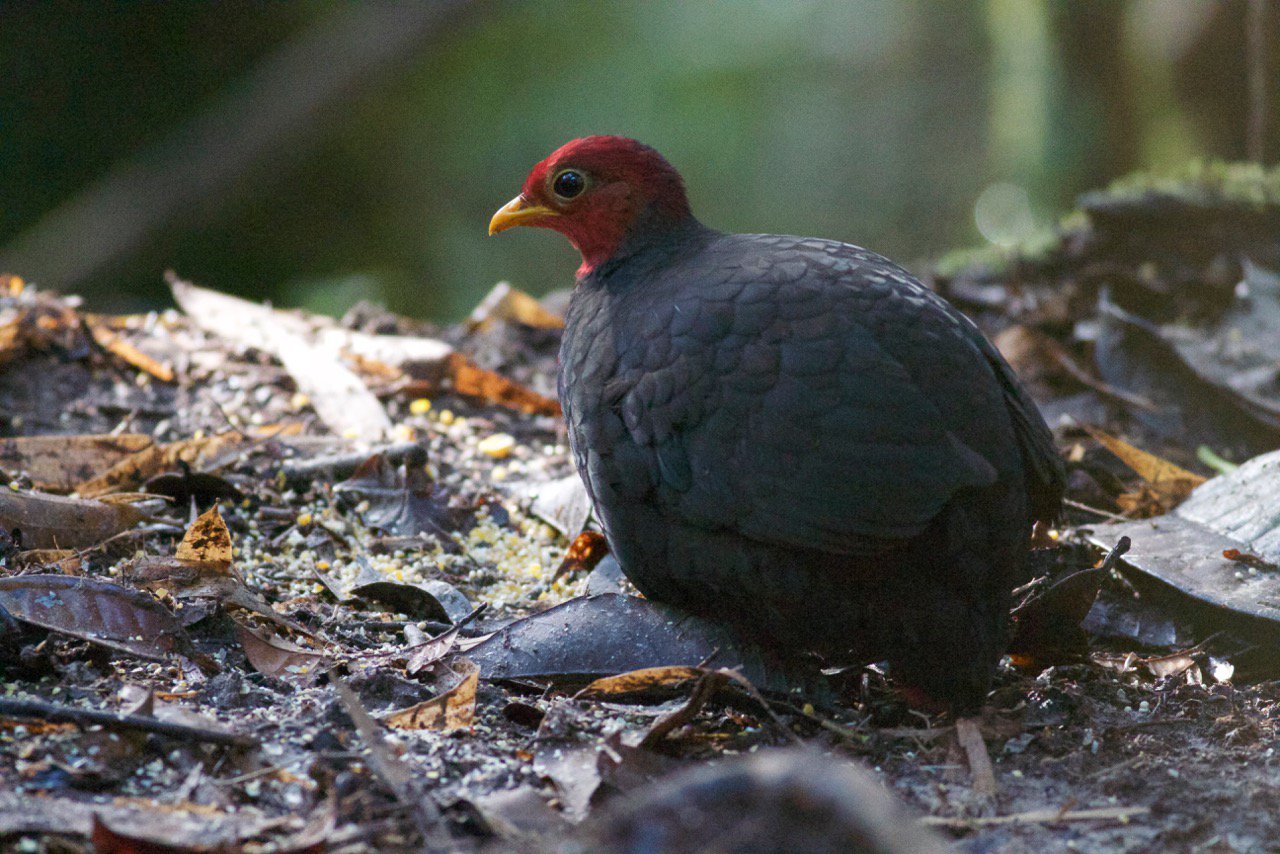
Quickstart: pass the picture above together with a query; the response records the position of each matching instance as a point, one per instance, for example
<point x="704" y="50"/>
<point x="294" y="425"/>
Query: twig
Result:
<point x="751" y="689"/>
<point x="1105" y="514"/>
<point x="1044" y="816"/>
<point x="703" y="690"/>
<point x="975" y="750"/>
<point x="56" y="713"/>
<point x="393" y="773"/>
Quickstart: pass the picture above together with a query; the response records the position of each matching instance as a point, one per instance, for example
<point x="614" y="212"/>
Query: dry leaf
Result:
<point x="454" y="709"/>
<point x="118" y="346"/>
<point x="207" y="541"/>
<point x="54" y="522"/>
<point x="135" y="469"/>
<point x="276" y="656"/>
<point x="639" y="681"/>
<point x="339" y="397"/>
<point x="504" y="302"/>
<point x="59" y="463"/>
<point x="587" y="550"/>
<point x="1169" y="482"/>
<point x="470" y="380"/>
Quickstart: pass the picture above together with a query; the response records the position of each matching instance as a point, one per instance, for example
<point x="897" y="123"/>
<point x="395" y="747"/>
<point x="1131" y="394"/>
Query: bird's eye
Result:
<point x="568" y="184"/>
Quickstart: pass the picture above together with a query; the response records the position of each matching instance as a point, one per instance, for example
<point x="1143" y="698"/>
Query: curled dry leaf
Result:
<point x="54" y="522"/>
<point x="60" y="463"/>
<point x="275" y="656"/>
<point x="453" y="709"/>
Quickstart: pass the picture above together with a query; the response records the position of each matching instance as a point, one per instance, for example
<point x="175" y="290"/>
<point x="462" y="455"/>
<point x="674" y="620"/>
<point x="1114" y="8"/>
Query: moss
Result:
<point x="1205" y="183"/>
<point x="1214" y="182"/>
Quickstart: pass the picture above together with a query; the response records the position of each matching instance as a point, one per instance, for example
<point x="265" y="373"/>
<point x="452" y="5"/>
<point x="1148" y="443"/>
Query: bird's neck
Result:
<point x="655" y="229"/>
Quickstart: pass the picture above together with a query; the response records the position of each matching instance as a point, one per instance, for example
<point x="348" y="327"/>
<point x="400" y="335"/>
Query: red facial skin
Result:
<point x="624" y="179"/>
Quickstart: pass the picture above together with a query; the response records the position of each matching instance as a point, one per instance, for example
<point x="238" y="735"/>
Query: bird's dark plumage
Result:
<point x="797" y="437"/>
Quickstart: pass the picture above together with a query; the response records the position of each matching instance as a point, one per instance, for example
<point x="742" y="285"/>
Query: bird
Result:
<point x="791" y="436"/>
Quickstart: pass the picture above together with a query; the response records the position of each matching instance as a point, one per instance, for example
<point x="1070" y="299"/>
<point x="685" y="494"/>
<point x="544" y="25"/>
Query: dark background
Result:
<point x="316" y="153"/>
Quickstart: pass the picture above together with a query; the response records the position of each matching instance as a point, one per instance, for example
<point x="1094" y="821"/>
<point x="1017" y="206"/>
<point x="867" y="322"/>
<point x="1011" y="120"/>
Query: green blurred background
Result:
<point x="317" y="152"/>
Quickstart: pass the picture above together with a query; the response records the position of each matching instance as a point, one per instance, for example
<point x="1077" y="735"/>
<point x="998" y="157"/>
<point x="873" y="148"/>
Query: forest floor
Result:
<point x="379" y="637"/>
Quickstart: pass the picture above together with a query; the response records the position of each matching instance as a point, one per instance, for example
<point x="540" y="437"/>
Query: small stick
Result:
<point x="1044" y="816"/>
<point x="56" y="713"/>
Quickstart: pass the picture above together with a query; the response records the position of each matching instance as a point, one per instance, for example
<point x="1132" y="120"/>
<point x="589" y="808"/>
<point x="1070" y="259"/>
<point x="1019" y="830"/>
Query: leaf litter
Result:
<point x="371" y="589"/>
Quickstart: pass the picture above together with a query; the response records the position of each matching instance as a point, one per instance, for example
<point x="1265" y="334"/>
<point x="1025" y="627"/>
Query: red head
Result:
<point x="593" y="190"/>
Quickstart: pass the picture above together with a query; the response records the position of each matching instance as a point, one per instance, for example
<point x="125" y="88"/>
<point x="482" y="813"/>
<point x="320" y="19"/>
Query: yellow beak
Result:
<point x="518" y="211"/>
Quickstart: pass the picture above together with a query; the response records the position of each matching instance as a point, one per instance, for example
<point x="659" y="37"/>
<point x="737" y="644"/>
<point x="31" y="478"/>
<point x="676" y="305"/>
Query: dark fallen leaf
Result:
<point x="1183" y="550"/>
<point x="1132" y="354"/>
<point x="408" y="599"/>
<point x="521" y="814"/>
<point x="403" y="501"/>
<point x="607" y="577"/>
<point x="1137" y="619"/>
<point x="97" y="611"/>
<point x="590" y="637"/>
<point x="186" y="486"/>
<point x="1047" y="626"/>
<point x="573" y="768"/>
<point x="775" y="800"/>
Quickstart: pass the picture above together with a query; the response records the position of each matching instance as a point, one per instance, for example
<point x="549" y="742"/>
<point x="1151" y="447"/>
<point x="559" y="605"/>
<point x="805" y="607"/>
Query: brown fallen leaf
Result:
<point x="59" y="463"/>
<point x="120" y="347"/>
<point x="275" y="656"/>
<point x="135" y="469"/>
<point x="470" y="380"/>
<point x="207" y="541"/>
<point x="201" y="569"/>
<point x="453" y="709"/>
<point x="1169" y="483"/>
<point x="587" y="550"/>
<point x="641" y="681"/>
<point x="54" y="522"/>
<point x="504" y="302"/>
<point x="65" y="561"/>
